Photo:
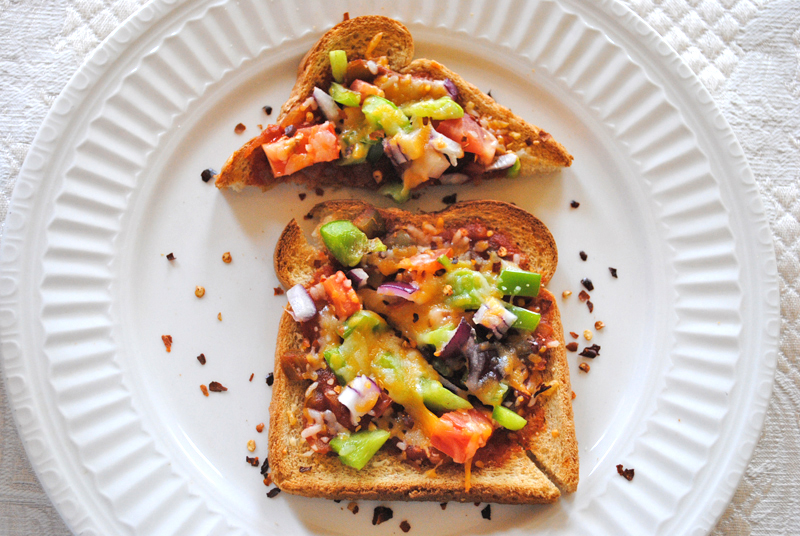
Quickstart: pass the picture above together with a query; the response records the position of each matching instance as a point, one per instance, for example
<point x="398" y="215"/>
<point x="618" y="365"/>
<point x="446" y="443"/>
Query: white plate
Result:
<point x="117" y="429"/>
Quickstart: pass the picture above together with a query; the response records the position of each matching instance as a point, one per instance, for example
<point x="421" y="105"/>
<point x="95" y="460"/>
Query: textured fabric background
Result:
<point x="746" y="52"/>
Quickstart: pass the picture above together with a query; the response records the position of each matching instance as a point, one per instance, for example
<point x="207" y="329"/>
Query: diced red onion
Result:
<point x="393" y="151"/>
<point x="397" y="288"/>
<point x="503" y="161"/>
<point x="303" y="308"/>
<point x="358" y="276"/>
<point x="451" y="88"/>
<point x="480" y="358"/>
<point x="457" y="341"/>
<point x="360" y="397"/>
<point x="451" y="149"/>
<point x="326" y="103"/>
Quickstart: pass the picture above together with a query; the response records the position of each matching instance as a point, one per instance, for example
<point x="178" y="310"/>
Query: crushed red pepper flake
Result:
<point x="625" y="473"/>
<point x="613" y="272"/>
<point x="207" y="174"/>
<point x="273" y="492"/>
<point x="167" y="340"/>
<point x="267" y="110"/>
<point x="319" y="191"/>
<point x="170" y="257"/>
<point x="449" y="199"/>
<point x="443" y="505"/>
<point x="574" y="204"/>
<point x="590" y="305"/>
<point x="572" y="346"/>
<point x="204" y="389"/>
<point x="583" y="255"/>
<point x="202" y="359"/>
<point x="599" y="325"/>
<point x="216" y="387"/>
<point x="584" y="367"/>
<point x="591" y="351"/>
<point x="302" y="196"/>
<point x="308" y="216"/>
<point x="260" y="427"/>
<point x="583" y="296"/>
<point x="353" y="507"/>
<point x="270" y="379"/>
<point x="277" y="291"/>
<point x="252" y="461"/>
<point x="226" y="257"/>
<point x="586" y="282"/>
<point x="405" y="526"/>
<point x="381" y="514"/>
<point x="574" y="335"/>
<point x="486" y="513"/>
<point x="265" y="466"/>
<point x="252" y="374"/>
<point x="239" y="128"/>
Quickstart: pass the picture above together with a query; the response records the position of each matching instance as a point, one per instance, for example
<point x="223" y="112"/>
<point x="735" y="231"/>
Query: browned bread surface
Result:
<point x="518" y="480"/>
<point x="538" y="151"/>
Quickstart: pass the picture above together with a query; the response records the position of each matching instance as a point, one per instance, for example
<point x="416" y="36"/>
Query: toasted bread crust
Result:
<point x="538" y="151"/>
<point x="518" y="480"/>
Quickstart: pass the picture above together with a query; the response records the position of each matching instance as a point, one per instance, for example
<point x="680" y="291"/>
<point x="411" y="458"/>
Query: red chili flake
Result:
<point x="277" y="291"/>
<point x="590" y="305"/>
<point x="202" y="359"/>
<point x="308" y="216"/>
<point x="304" y="469"/>
<point x="353" y="507"/>
<point x="572" y="346"/>
<point x="574" y="204"/>
<point x="267" y="110"/>
<point x="260" y="427"/>
<point x="613" y="272"/>
<point x="443" y="505"/>
<point x="207" y="174"/>
<point x="251" y="376"/>
<point x="626" y="473"/>
<point x="216" y="387"/>
<point x="273" y="493"/>
<point x="584" y="367"/>
<point x="381" y="514"/>
<point x="204" y="389"/>
<point x="583" y="255"/>
<point x="170" y="257"/>
<point x="477" y="503"/>
<point x="239" y="128"/>
<point x="416" y="196"/>
<point x="404" y="526"/>
<point x="486" y="513"/>
<point x="319" y="191"/>
<point x="167" y="339"/>
<point x="290" y="131"/>
<point x="416" y="317"/>
<point x="591" y="351"/>
<point x="586" y="282"/>
<point x="302" y="196"/>
<point x="270" y="379"/>
<point x="583" y="296"/>
<point x="265" y="466"/>
<point x="449" y="199"/>
<point x="252" y="461"/>
<point x="574" y="335"/>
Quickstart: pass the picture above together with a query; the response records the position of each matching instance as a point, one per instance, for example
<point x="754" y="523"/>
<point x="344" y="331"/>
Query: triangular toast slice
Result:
<point x="533" y="465"/>
<point x="488" y="140"/>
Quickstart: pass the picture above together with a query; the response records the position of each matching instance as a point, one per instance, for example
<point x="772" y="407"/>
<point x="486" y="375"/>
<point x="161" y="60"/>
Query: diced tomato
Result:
<point x="366" y="89"/>
<point x="472" y="137"/>
<point x="308" y="146"/>
<point x="341" y="295"/>
<point x="461" y="433"/>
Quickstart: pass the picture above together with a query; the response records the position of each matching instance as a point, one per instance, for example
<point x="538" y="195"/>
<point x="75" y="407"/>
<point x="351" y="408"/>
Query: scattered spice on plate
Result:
<point x="572" y="346"/>
<point x="319" y="191"/>
<point x="270" y="379"/>
<point x="574" y="204"/>
<point x="290" y="131"/>
<point x="273" y="492"/>
<point x="587" y="335"/>
<point x="219" y="317"/>
<point x="449" y="199"/>
<point x="226" y="257"/>
<point x="416" y="196"/>
<point x="626" y="473"/>
<point x="260" y="427"/>
<point x="207" y="174"/>
<point x="486" y="513"/>
<point x="204" y="389"/>
<point x="239" y="128"/>
<point x="277" y="291"/>
<point x="267" y="110"/>
<point x="590" y="305"/>
<point x="583" y="296"/>
<point x="170" y="257"/>
<point x="167" y="340"/>
<point x="202" y="359"/>
<point x="216" y="387"/>
<point x="252" y="374"/>
<point x="251" y="445"/>
<point x="308" y="216"/>
<point x="252" y="461"/>
<point x="443" y="505"/>
<point x="381" y="514"/>
<point x="265" y="466"/>
<point x="566" y="294"/>
<point x="405" y="526"/>
<point x="613" y="272"/>
<point x="591" y="351"/>
<point x="586" y="282"/>
<point x="599" y="325"/>
<point x="199" y="291"/>
<point x="302" y="196"/>
<point x="584" y="367"/>
<point x="583" y="255"/>
<point x="574" y="335"/>
<point x="353" y="507"/>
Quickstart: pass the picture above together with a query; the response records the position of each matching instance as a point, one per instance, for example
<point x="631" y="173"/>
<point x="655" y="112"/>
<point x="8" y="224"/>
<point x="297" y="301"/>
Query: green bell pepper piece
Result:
<point x="513" y="171"/>
<point x="356" y="449"/>
<point x="345" y="241"/>
<point x="519" y="283"/>
<point x="364" y="320"/>
<point x="396" y="191"/>
<point x="338" y="64"/>
<point x="440" y="109"/>
<point x="384" y="114"/>
<point x="470" y="288"/>
<point x="508" y="418"/>
<point x="526" y="319"/>
<point x="344" y="96"/>
<point x="438" y="398"/>
<point x="436" y="337"/>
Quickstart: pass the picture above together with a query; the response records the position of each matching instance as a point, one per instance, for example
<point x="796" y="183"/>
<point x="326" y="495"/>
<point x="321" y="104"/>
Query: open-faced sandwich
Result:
<point x="363" y="114"/>
<point x="421" y="358"/>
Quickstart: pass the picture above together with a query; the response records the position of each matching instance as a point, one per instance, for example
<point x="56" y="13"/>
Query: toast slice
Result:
<point x="534" y="465"/>
<point x="380" y="50"/>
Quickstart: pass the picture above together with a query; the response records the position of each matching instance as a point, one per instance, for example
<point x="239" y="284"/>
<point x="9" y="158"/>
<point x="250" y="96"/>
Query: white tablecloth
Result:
<point x="746" y="52"/>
